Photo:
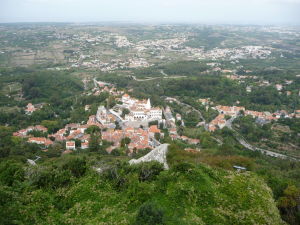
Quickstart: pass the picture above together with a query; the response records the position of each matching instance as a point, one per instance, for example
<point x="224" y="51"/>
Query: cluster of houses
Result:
<point x="139" y="110"/>
<point x="234" y="111"/>
<point x="175" y="136"/>
<point x="218" y="122"/>
<point x="267" y="116"/>
<point x="26" y="133"/>
<point x="101" y="87"/>
<point x="130" y="119"/>
<point x="139" y="138"/>
<point x="68" y="134"/>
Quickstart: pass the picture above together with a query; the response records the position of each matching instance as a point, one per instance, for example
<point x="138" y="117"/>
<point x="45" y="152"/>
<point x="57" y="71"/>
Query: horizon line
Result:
<point x="149" y="22"/>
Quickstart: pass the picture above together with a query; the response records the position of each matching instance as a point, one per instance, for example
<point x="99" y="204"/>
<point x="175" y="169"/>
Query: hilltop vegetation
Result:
<point x="68" y="191"/>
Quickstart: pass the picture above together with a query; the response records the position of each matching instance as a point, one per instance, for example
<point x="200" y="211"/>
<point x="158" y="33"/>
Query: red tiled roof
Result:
<point x="154" y="129"/>
<point x="70" y="143"/>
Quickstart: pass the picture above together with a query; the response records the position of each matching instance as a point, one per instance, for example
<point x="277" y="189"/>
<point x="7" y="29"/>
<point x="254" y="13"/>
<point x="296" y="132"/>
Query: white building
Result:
<point x="70" y="145"/>
<point x="140" y="110"/>
<point x="130" y="102"/>
<point x="278" y="87"/>
<point x="138" y="114"/>
<point x="106" y="118"/>
<point x="101" y="115"/>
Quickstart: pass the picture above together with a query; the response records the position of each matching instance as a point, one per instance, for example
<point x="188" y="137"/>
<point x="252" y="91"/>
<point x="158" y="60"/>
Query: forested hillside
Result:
<point x="70" y="191"/>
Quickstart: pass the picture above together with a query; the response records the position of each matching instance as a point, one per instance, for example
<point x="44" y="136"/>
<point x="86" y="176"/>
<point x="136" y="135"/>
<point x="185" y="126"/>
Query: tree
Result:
<point x="94" y="144"/>
<point x="125" y="141"/>
<point x="93" y="129"/>
<point x="118" y="127"/>
<point x="11" y="172"/>
<point x="52" y="125"/>
<point x="155" y="122"/>
<point x="116" y="152"/>
<point x="125" y="111"/>
<point x="5" y="141"/>
<point x="148" y="171"/>
<point x="157" y="136"/>
<point x="149" y="214"/>
<point x="161" y="126"/>
<point x="290" y="204"/>
<point x="111" y="102"/>
<point x="77" y="166"/>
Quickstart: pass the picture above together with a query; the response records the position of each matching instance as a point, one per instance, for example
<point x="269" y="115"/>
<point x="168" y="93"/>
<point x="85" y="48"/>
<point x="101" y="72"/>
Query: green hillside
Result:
<point x="69" y="191"/>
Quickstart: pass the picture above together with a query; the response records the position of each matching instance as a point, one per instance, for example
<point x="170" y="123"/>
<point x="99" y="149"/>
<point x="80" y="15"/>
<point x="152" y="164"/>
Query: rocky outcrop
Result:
<point x="158" y="154"/>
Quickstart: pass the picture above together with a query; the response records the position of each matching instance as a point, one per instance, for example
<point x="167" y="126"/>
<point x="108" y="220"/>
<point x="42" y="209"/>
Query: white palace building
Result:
<point x="140" y="110"/>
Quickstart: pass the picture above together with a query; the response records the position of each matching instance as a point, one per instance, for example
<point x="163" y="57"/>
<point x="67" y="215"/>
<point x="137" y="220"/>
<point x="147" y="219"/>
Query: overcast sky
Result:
<point x="194" y="11"/>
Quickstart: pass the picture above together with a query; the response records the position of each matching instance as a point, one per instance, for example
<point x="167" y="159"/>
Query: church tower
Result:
<point x="148" y="105"/>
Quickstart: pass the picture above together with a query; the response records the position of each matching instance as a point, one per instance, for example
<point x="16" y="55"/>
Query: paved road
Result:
<point x="140" y="80"/>
<point x="266" y="152"/>
<point x="155" y="78"/>
<point x="243" y="142"/>
<point x="95" y="83"/>
<point x="163" y="73"/>
<point x="217" y="140"/>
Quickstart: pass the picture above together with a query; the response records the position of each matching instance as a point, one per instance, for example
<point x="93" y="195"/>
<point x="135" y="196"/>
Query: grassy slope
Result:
<point x="186" y="194"/>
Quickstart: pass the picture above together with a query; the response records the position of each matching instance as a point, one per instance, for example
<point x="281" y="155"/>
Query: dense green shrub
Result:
<point x="149" y="214"/>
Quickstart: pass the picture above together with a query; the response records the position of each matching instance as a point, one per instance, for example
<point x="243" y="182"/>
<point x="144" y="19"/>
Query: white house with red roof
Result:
<point x="30" y="109"/>
<point x="40" y="141"/>
<point x="70" y="145"/>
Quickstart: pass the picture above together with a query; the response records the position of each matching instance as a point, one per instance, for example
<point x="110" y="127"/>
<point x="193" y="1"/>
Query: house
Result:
<point x="173" y="130"/>
<point x="178" y="117"/>
<point x="40" y="141"/>
<point x="229" y="110"/>
<point x="193" y="141"/>
<point x="30" y="109"/>
<point x="297" y="113"/>
<point x="153" y="130"/>
<point x="278" y="87"/>
<point x="24" y="132"/>
<point x="84" y="145"/>
<point x="218" y="122"/>
<point x="93" y="122"/>
<point x="212" y="127"/>
<point x="70" y="145"/>
<point x="184" y="138"/>
<point x="204" y="101"/>
<point x="106" y="118"/>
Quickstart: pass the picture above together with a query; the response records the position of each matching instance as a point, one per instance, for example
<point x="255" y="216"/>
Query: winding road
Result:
<point x="246" y="144"/>
<point x="239" y="137"/>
